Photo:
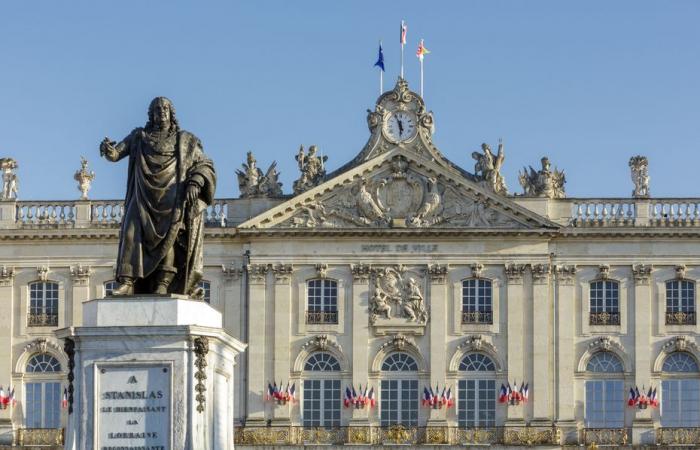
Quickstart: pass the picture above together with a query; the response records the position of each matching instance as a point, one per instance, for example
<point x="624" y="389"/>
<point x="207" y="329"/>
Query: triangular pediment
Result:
<point x="398" y="189"/>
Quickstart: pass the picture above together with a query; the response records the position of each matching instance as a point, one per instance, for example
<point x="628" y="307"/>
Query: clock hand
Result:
<point x="400" y="126"/>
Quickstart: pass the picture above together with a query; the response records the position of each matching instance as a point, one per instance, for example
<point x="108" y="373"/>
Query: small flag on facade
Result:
<point x="64" y="401"/>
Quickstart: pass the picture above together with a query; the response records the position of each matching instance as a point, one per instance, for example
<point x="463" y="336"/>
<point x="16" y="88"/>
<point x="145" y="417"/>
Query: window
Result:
<point x="110" y="286"/>
<point x="205" y="286"/>
<point x="605" y="398"/>
<point x="43" y="304"/>
<point x="476" y="405"/>
<point x="605" y="303"/>
<point x="43" y="397"/>
<point x="477" y="302"/>
<point x="680" y="391"/>
<point x="321" y="407"/>
<point x="399" y="394"/>
<point x="322" y="305"/>
<point x="680" y="302"/>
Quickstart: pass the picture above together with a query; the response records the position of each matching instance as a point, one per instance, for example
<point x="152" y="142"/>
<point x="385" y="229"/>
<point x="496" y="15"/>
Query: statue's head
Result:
<point x="251" y="159"/>
<point x="312" y="150"/>
<point x="161" y="115"/>
<point x="545" y="164"/>
<point x="485" y="147"/>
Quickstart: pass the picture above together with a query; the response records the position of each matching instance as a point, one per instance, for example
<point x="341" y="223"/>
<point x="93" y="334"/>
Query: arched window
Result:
<point x="399" y="399"/>
<point x="605" y="391"/>
<point x="205" y="286"/>
<point x="322" y="301"/>
<point x="321" y="406"/>
<point x="43" y="304"/>
<point x="477" y="301"/>
<point x="476" y="406"/>
<point x="680" y="302"/>
<point x="43" y="396"/>
<point x="680" y="391"/>
<point x="605" y="303"/>
<point x="110" y="286"/>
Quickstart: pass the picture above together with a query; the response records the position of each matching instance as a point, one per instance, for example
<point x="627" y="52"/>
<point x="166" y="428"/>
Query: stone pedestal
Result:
<point x="150" y="372"/>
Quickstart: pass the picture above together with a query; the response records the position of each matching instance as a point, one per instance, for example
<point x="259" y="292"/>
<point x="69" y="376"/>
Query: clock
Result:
<point x="400" y="126"/>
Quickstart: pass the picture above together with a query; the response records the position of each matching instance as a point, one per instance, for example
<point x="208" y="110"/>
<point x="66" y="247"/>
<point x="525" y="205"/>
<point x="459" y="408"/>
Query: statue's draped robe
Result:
<point x="156" y="215"/>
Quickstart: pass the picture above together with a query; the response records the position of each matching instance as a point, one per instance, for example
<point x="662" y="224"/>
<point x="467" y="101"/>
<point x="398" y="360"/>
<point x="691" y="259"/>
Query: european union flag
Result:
<point x="380" y="59"/>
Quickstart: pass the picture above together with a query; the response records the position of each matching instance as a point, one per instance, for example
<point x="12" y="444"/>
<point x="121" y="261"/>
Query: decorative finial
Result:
<point x="84" y="177"/>
<point x="639" y="166"/>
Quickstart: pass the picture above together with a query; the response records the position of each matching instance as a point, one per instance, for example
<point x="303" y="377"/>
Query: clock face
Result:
<point x="400" y="126"/>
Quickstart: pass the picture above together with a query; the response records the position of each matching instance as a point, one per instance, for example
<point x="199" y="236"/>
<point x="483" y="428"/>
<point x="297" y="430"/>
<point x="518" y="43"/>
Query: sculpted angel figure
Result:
<point x="488" y="167"/>
<point x="170" y="183"/>
<point x="311" y="167"/>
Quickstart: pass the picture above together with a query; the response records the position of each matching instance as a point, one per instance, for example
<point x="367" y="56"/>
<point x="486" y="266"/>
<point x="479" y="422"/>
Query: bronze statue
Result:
<point x="170" y="183"/>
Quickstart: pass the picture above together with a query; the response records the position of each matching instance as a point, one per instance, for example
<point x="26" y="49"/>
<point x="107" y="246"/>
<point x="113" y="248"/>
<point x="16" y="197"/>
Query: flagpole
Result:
<point x="402" y="45"/>
<point x="381" y="82"/>
<point x="421" y="77"/>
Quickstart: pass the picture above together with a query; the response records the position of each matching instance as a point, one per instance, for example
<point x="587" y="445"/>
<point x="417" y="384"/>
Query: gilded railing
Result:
<point x="604" y="318"/>
<point x="397" y="435"/>
<point x="678" y="436"/>
<point x="42" y="320"/>
<point x="680" y="318"/>
<point x="477" y="317"/>
<point x="31" y="437"/>
<point x="321" y="317"/>
<point x="604" y="436"/>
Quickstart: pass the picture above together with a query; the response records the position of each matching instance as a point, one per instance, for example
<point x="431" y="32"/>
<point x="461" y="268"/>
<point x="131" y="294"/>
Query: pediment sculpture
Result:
<point x="312" y="168"/>
<point x="397" y="293"/>
<point x="253" y="183"/>
<point x="487" y="168"/>
<point x="401" y="198"/>
<point x="543" y="183"/>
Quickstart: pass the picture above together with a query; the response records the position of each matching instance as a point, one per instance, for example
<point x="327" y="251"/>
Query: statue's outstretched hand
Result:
<point x="107" y="149"/>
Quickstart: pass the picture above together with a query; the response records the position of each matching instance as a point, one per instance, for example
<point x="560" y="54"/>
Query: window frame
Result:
<point x="331" y="375"/>
<point x="484" y="398"/>
<point x="612" y="383"/>
<point x="38" y="314"/>
<point x="326" y="312"/>
<point x="402" y="383"/>
<point x="687" y="412"/>
<point x="607" y="310"/>
<point x="478" y="307"/>
<point x="680" y="314"/>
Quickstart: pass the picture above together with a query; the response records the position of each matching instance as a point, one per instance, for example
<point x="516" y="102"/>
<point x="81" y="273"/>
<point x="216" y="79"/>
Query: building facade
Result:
<point x="393" y="300"/>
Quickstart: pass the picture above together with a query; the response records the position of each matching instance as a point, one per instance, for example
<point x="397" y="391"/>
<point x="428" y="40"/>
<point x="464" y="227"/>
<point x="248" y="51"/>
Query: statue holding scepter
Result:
<point x="170" y="183"/>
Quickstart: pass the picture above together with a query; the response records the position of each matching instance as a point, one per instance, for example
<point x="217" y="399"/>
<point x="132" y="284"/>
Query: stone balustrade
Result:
<point x="674" y="212"/>
<point x="603" y="212"/>
<point x="47" y="213"/>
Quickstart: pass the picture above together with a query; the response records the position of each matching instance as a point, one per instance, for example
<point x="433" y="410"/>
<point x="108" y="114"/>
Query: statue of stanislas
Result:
<point x="170" y="183"/>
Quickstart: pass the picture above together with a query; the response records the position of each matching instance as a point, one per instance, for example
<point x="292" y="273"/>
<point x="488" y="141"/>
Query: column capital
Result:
<point x="80" y="274"/>
<point x="438" y="273"/>
<point x="257" y="273"/>
<point x="641" y="273"/>
<point x="566" y="274"/>
<point x="360" y="273"/>
<point x="231" y="273"/>
<point x="540" y="273"/>
<point x="283" y="273"/>
<point x="514" y="273"/>
<point x="7" y="276"/>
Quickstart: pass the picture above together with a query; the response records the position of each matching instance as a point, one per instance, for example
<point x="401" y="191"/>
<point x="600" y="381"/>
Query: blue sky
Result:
<point x="589" y="83"/>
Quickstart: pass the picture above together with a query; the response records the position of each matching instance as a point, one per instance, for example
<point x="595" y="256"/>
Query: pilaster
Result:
<point x="565" y="311"/>
<point x="438" y="332"/>
<point x="642" y="425"/>
<point x="282" y="324"/>
<point x="81" y="293"/>
<point x="514" y="319"/>
<point x="541" y="348"/>
<point x="257" y="382"/>
<point x="7" y="278"/>
<point x="360" y="335"/>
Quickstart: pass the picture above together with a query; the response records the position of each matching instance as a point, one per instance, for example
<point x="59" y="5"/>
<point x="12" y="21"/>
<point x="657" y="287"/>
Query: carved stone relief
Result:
<point x="7" y="276"/>
<point x="399" y="197"/>
<point x="641" y="273"/>
<point x="543" y="183"/>
<point x="397" y="293"/>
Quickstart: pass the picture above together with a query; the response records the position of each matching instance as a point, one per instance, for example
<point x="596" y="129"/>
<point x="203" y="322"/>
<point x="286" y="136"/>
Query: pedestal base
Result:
<point x="151" y="372"/>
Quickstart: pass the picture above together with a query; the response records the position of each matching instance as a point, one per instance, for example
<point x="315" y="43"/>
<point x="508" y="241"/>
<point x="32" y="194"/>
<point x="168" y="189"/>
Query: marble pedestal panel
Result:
<point x="151" y="372"/>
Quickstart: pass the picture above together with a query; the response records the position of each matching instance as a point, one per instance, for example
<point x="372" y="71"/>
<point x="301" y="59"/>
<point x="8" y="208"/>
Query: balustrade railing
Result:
<point x="106" y="212"/>
<point x="216" y="214"/>
<point x="685" y="436"/>
<point x="42" y="320"/>
<point x="45" y="213"/>
<point x="674" y="212"/>
<point x="477" y="317"/>
<point x="396" y="435"/>
<point x="604" y="436"/>
<point x="321" y="317"/>
<point x="603" y="212"/>
<point x="680" y="317"/>
<point x="604" y="318"/>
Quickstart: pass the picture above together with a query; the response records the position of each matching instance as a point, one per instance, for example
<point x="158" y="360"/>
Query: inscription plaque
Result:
<point x="133" y="407"/>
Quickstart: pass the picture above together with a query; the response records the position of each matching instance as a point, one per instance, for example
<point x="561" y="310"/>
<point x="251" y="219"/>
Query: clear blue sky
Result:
<point x="589" y="83"/>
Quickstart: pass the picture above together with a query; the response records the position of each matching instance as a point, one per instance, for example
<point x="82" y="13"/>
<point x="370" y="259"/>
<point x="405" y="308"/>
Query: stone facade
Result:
<point x="397" y="230"/>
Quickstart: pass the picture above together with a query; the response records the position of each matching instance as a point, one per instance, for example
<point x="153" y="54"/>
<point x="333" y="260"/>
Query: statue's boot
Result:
<point x="126" y="287"/>
<point x="163" y="280"/>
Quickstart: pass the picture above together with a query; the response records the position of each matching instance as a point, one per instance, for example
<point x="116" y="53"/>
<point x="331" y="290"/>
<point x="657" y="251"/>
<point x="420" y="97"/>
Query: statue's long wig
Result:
<point x="174" y="125"/>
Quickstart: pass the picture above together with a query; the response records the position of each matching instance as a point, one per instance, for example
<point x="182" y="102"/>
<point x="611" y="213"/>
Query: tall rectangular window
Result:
<point x="477" y="301"/>
<point x="605" y="303"/>
<point x="43" y="304"/>
<point x="680" y="302"/>
<point x="680" y="403"/>
<point x="399" y="402"/>
<point x="43" y="405"/>
<point x="605" y="404"/>
<point x="476" y="405"/>
<point x="322" y="301"/>
<point x="321" y="403"/>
